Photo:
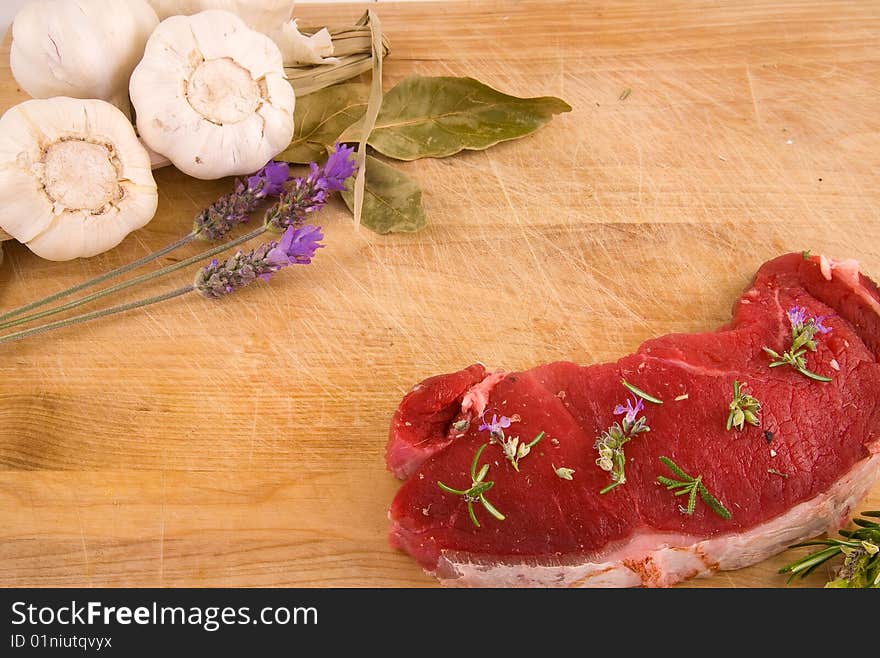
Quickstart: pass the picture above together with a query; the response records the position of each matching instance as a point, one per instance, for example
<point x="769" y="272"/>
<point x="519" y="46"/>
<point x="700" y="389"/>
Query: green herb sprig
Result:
<point x="477" y="491"/>
<point x="514" y="449"/>
<point x="691" y="487"/>
<point x="640" y="393"/>
<point x="861" y="556"/>
<point x="803" y="334"/>
<point x="743" y="409"/>
<point x="610" y="447"/>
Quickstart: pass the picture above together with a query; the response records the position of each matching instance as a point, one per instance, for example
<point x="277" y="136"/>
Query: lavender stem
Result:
<point x="85" y="317"/>
<point x="98" y="279"/>
<point x="136" y="280"/>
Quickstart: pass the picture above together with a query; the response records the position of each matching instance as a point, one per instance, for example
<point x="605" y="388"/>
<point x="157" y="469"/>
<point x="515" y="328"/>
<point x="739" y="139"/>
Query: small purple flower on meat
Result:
<point x="821" y="328"/>
<point x="497" y="426"/>
<point x="797" y="316"/>
<point x="630" y="410"/>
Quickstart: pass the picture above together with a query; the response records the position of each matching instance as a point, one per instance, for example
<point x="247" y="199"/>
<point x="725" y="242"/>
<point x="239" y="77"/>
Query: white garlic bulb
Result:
<point x="80" y="48"/>
<point x="210" y="94"/>
<point x="271" y="17"/>
<point x="262" y="15"/>
<point x="74" y="179"/>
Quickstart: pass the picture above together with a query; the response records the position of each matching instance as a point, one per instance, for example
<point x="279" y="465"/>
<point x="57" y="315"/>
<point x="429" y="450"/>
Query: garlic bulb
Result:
<point x="210" y="95"/>
<point x="262" y="15"/>
<point x="74" y="179"/>
<point x="80" y="48"/>
<point x="271" y="17"/>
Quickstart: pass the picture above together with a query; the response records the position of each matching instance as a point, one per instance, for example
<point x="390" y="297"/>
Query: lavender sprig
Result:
<point x="309" y="194"/>
<point x="212" y="223"/>
<point x="215" y="221"/>
<point x="296" y="247"/>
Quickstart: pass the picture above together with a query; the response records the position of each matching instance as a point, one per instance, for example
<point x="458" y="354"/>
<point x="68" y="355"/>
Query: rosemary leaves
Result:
<point x="513" y="448"/>
<point x="477" y="491"/>
<point x="691" y="487"/>
<point x="860" y="549"/>
<point x="610" y="443"/>
<point x="803" y="339"/>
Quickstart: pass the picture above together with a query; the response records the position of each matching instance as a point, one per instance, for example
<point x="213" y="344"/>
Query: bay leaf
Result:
<point x="434" y="117"/>
<point x="320" y="118"/>
<point x="392" y="200"/>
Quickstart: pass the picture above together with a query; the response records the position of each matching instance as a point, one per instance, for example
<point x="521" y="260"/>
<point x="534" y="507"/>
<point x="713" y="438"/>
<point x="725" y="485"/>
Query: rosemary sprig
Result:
<point x="803" y="339"/>
<point x="691" y="487"/>
<point x="796" y="360"/>
<point x="860" y="549"/>
<point x="477" y="491"/>
<point x="640" y="393"/>
<point x="743" y="409"/>
<point x="514" y="449"/>
<point x="610" y="443"/>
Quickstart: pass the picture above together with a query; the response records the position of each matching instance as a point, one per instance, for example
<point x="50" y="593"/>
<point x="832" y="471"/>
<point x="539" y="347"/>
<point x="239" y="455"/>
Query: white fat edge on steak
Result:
<point x="655" y="559"/>
<point x="847" y="272"/>
<point x="477" y="397"/>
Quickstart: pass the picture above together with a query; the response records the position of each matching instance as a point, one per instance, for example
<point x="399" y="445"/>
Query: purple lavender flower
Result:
<point x="270" y="180"/>
<point x="338" y="168"/>
<point x="223" y="215"/>
<point x="309" y="194"/>
<point x="296" y="247"/>
<point x="821" y="328"/>
<point x="630" y="410"/>
<point x="797" y="316"/>
<point x="497" y="426"/>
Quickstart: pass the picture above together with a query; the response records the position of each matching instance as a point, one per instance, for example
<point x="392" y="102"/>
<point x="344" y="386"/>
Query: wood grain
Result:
<point x="240" y="442"/>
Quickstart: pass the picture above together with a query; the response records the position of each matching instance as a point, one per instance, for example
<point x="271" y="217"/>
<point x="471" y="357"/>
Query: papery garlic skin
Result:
<point x="297" y="48"/>
<point x="74" y="179"/>
<point x="80" y="48"/>
<point x="210" y="94"/>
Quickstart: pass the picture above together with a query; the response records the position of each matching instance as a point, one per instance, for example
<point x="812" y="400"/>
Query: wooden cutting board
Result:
<point x="240" y="442"/>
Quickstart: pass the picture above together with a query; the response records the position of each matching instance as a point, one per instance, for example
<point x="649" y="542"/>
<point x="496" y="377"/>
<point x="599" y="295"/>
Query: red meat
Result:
<point x="814" y="456"/>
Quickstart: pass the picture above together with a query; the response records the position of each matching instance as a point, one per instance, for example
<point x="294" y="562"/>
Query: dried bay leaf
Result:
<point x="320" y="118"/>
<point x="434" y="117"/>
<point x="392" y="200"/>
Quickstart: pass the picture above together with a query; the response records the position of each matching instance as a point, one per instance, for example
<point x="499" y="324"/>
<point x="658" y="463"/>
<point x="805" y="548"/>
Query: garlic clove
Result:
<point x="25" y="211"/>
<point x="82" y="234"/>
<point x="74" y="179"/>
<point x="79" y="48"/>
<point x="211" y="95"/>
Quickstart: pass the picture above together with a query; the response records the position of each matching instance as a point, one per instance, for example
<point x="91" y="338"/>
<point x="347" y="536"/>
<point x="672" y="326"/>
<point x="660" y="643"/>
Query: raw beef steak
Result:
<point x="814" y="455"/>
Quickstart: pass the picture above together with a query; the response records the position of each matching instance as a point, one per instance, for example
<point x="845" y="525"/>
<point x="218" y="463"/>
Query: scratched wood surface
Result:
<point x="241" y="442"/>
